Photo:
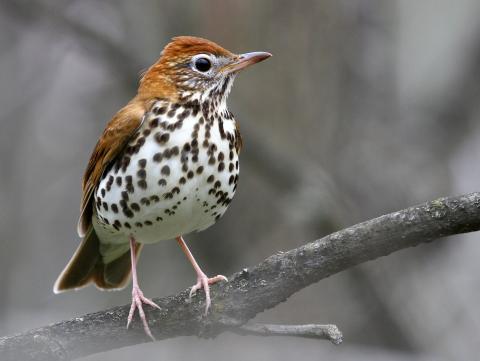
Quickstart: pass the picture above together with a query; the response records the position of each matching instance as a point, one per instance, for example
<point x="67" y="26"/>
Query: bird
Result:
<point x="166" y="165"/>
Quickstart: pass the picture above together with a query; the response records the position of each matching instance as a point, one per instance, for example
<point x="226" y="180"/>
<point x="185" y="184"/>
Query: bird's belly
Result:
<point x="167" y="186"/>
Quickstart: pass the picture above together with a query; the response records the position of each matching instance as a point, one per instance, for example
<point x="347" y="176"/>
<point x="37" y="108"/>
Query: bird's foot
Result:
<point x="137" y="300"/>
<point x="204" y="282"/>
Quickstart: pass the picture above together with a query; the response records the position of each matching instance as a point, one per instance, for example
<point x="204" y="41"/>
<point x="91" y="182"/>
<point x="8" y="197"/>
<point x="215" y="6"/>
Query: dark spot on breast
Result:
<point x="210" y="178"/>
<point x="118" y="180"/>
<point x="146" y="132"/>
<point x="183" y="114"/>
<point x="162" y="182"/>
<point x="142" y="183"/>
<point x="221" y="167"/>
<point x="114" y="207"/>
<point x="154" y="198"/>
<point x="125" y="163"/>
<point x="135" y="207"/>
<point x="105" y="206"/>
<point x="230" y="167"/>
<point x="157" y="157"/>
<point x="221" y="156"/>
<point x="117" y="225"/>
<point x="125" y="196"/>
<point x="102" y="192"/>
<point x="142" y="163"/>
<point x="162" y="138"/>
<point x="138" y="224"/>
<point x="182" y="180"/>
<point x="217" y="184"/>
<point x="165" y="170"/>
<point x="200" y="170"/>
<point x="154" y="123"/>
<point x="179" y="124"/>
<point x="127" y="212"/>
<point x="211" y="160"/>
<point x="220" y="128"/>
<point x="175" y="190"/>
<point x="159" y="219"/>
<point x="184" y="167"/>
<point x="142" y="173"/>
<point x="127" y="225"/>
<point x="190" y="174"/>
<point x="161" y="110"/>
<point x="231" y="179"/>
<point x="140" y="142"/>
<point x="129" y="150"/>
<point x="148" y="223"/>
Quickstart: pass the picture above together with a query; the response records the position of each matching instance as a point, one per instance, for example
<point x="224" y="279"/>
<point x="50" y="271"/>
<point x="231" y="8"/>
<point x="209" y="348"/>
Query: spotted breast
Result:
<point x="165" y="165"/>
<point x="178" y="174"/>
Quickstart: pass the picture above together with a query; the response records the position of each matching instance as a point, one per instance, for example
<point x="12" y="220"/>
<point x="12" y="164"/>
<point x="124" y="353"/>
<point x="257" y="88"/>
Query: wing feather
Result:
<point x="116" y="135"/>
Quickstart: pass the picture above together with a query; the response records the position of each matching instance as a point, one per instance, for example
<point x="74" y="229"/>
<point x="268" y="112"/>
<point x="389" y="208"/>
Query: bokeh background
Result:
<point x="366" y="107"/>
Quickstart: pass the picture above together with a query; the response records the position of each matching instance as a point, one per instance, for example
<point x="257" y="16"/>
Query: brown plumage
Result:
<point x="158" y="82"/>
<point x="173" y="153"/>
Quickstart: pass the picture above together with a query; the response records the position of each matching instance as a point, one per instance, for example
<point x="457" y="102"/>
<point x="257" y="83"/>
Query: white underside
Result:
<point x="192" y="207"/>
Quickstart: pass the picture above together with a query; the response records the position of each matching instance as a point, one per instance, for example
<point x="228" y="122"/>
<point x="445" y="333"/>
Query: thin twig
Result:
<point x="322" y="332"/>
<point x="250" y="291"/>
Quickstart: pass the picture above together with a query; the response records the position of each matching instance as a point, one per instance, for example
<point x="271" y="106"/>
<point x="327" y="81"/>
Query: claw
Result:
<point x="137" y="299"/>
<point x="204" y="282"/>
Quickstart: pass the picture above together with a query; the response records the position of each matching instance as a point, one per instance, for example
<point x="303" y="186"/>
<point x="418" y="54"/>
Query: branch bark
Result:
<point x="323" y="332"/>
<point x="250" y="291"/>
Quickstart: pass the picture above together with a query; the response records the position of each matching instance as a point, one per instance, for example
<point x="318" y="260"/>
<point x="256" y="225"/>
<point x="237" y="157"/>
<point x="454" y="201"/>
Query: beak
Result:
<point x="245" y="60"/>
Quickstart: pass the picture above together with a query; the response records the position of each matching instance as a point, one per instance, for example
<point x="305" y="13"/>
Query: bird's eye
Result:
<point x="203" y="64"/>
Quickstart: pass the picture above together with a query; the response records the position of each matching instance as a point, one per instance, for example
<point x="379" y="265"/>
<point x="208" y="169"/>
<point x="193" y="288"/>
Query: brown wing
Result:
<point x="114" y="138"/>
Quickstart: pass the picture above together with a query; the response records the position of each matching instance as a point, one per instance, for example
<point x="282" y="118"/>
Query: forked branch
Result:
<point x="253" y="290"/>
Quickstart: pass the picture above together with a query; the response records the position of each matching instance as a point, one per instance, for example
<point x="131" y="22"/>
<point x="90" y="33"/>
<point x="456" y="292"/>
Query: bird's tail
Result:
<point x="87" y="266"/>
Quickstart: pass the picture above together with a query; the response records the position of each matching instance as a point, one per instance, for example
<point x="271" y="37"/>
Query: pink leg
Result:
<point x="137" y="294"/>
<point x="202" y="280"/>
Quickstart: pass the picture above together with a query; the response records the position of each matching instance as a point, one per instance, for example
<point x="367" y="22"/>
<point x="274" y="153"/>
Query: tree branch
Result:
<point x="323" y="332"/>
<point x="250" y="291"/>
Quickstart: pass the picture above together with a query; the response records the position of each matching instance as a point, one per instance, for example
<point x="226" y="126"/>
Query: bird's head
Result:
<point x="194" y="68"/>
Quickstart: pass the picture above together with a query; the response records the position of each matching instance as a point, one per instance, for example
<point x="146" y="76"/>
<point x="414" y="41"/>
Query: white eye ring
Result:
<point x="203" y="63"/>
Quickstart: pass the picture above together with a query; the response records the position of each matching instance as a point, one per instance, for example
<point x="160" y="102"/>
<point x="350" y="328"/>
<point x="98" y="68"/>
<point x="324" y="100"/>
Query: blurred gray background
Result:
<point x="366" y="107"/>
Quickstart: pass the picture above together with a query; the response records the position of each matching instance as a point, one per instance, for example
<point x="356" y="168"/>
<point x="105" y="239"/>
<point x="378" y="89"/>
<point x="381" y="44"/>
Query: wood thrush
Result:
<point x="166" y="165"/>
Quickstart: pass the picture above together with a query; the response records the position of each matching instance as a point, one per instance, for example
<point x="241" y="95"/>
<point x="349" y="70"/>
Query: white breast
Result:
<point x="177" y="175"/>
